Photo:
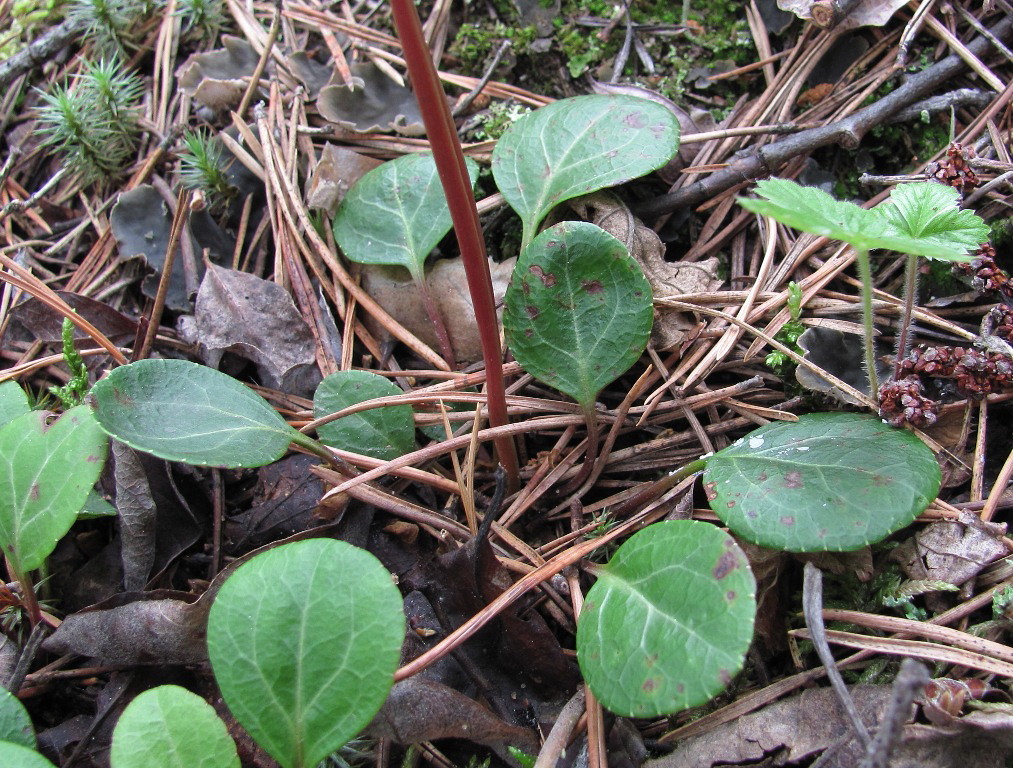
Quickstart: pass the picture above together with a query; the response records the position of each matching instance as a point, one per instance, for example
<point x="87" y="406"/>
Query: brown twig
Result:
<point x="768" y="159"/>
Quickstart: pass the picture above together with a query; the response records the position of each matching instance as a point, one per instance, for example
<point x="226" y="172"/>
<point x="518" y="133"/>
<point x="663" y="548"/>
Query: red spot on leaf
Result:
<point x="788" y="520"/>
<point x="33" y="493"/>
<point x="532" y="311"/>
<point x="591" y="286"/>
<point x="793" y="479"/>
<point x="649" y="685"/>
<point x="548" y="279"/>
<point x="727" y="563"/>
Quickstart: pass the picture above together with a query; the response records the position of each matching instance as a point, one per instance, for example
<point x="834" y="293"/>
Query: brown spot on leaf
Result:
<point x="591" y="286"/>
<point x="793" y="479"/>
<point x="710" y="490"/>
<point x="532" y="311"/>
<point x="880" y="481"/>
<point x="730" y="595"/>
<point x="730" y="504"/>
<point x="649" y="685"/>
<point x="762" y="478"/>
<point x="634" y="120"/>
<point x="548" y="279"/>
<point x="33" y="493"/>
<point x="727" y="563"/>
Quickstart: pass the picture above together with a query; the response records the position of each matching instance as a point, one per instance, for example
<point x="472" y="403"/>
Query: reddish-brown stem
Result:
<point x="28" y="598"/>
<point x="449" y="159"/>
<point x="440" y="327"/>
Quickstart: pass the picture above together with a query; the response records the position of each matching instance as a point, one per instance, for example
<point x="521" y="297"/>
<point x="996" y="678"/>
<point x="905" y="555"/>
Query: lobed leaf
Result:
<point x="907" y="228"/>
<point x="930" y="213"/>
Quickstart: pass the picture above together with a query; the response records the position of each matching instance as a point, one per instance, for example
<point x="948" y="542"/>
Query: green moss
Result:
<point x="476" y="43"/>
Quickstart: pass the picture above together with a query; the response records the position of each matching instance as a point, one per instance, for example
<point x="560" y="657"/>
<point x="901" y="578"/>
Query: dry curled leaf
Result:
<point x="868" y="13"/>
<point x="951" y="550"/>
<point x="336" y="171"/>
<point x="393" y="289"/>
<point x="255" y="319"/>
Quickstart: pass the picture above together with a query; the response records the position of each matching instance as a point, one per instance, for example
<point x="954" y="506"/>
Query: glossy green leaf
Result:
<point x="578" y="310"/>
<point x="828" y="482"/>
<point x="396" y="214"/>
<point x="51" y="468"/>
<point x="19" y="756"/>
<point x="15" y="724"/>
<point x="170" y="727"/>
<point x="13" y="402"/>
<point x="383" y="433"/>
<point x="929" y="212"/>
<point x="668" y="623"/>
<point x="304" y="640"/>
<point x="575" y="146"/>
<point x="812" y="210"/>
<point x="181" y="411"/>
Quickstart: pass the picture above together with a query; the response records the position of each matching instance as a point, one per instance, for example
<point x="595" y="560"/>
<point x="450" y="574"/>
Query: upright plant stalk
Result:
<point x="457" y="187"/>
<point x="865" y="274"/>
<point x="910" y="290"/>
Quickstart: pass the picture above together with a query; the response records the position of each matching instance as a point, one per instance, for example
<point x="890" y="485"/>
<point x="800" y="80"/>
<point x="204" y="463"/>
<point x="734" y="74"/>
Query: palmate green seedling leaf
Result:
<point x="15" y="724"/>
<point x="170" y="727"/>
<point x="20" y="756"/>
<point x="304" y="640"/>
<point x="828" y="482"/>
<point x="383" y="433"/>
<point x="929" y="213"/>
<point x="13" y="402"/>
<point x="396" y="214"/>
<point x="50" y="470"/>
<point x="669" y="621"/>
<point x="578" y="310"/>
<point x="181" y="411"/>
<point x="575" y="146"/>
<point x="903" y="229"/>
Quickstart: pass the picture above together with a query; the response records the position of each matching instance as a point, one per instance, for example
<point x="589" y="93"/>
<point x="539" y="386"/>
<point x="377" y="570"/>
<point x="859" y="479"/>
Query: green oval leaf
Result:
<point x="304" y="640"/>
<point x="51" y="469"/>
<point x="383" y="433"/>
<point x="396" y="214"/>
<point x="18" y="756"/>
<point x="668" y="623"/>
<point x="578" y="310"/>
<point x="828" y="482"/>
<point x="15" y="724"/>
<point x="575" y="146"/>
<point x="181" y="411"/>
<point x="170" y="727"/>
<point x="13" y="402"/>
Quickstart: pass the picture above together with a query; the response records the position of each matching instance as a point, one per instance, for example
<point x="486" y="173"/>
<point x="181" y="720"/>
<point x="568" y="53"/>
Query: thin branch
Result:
<point x="848" y="133"/>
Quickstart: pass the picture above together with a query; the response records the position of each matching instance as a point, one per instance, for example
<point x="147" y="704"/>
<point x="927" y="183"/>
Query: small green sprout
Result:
<point x="203" y="168"/>
<point x="92" y="121"/>
<point x="777" y="361"/>
<point x="204" y="18"/>
<point x="72" y="393"/>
